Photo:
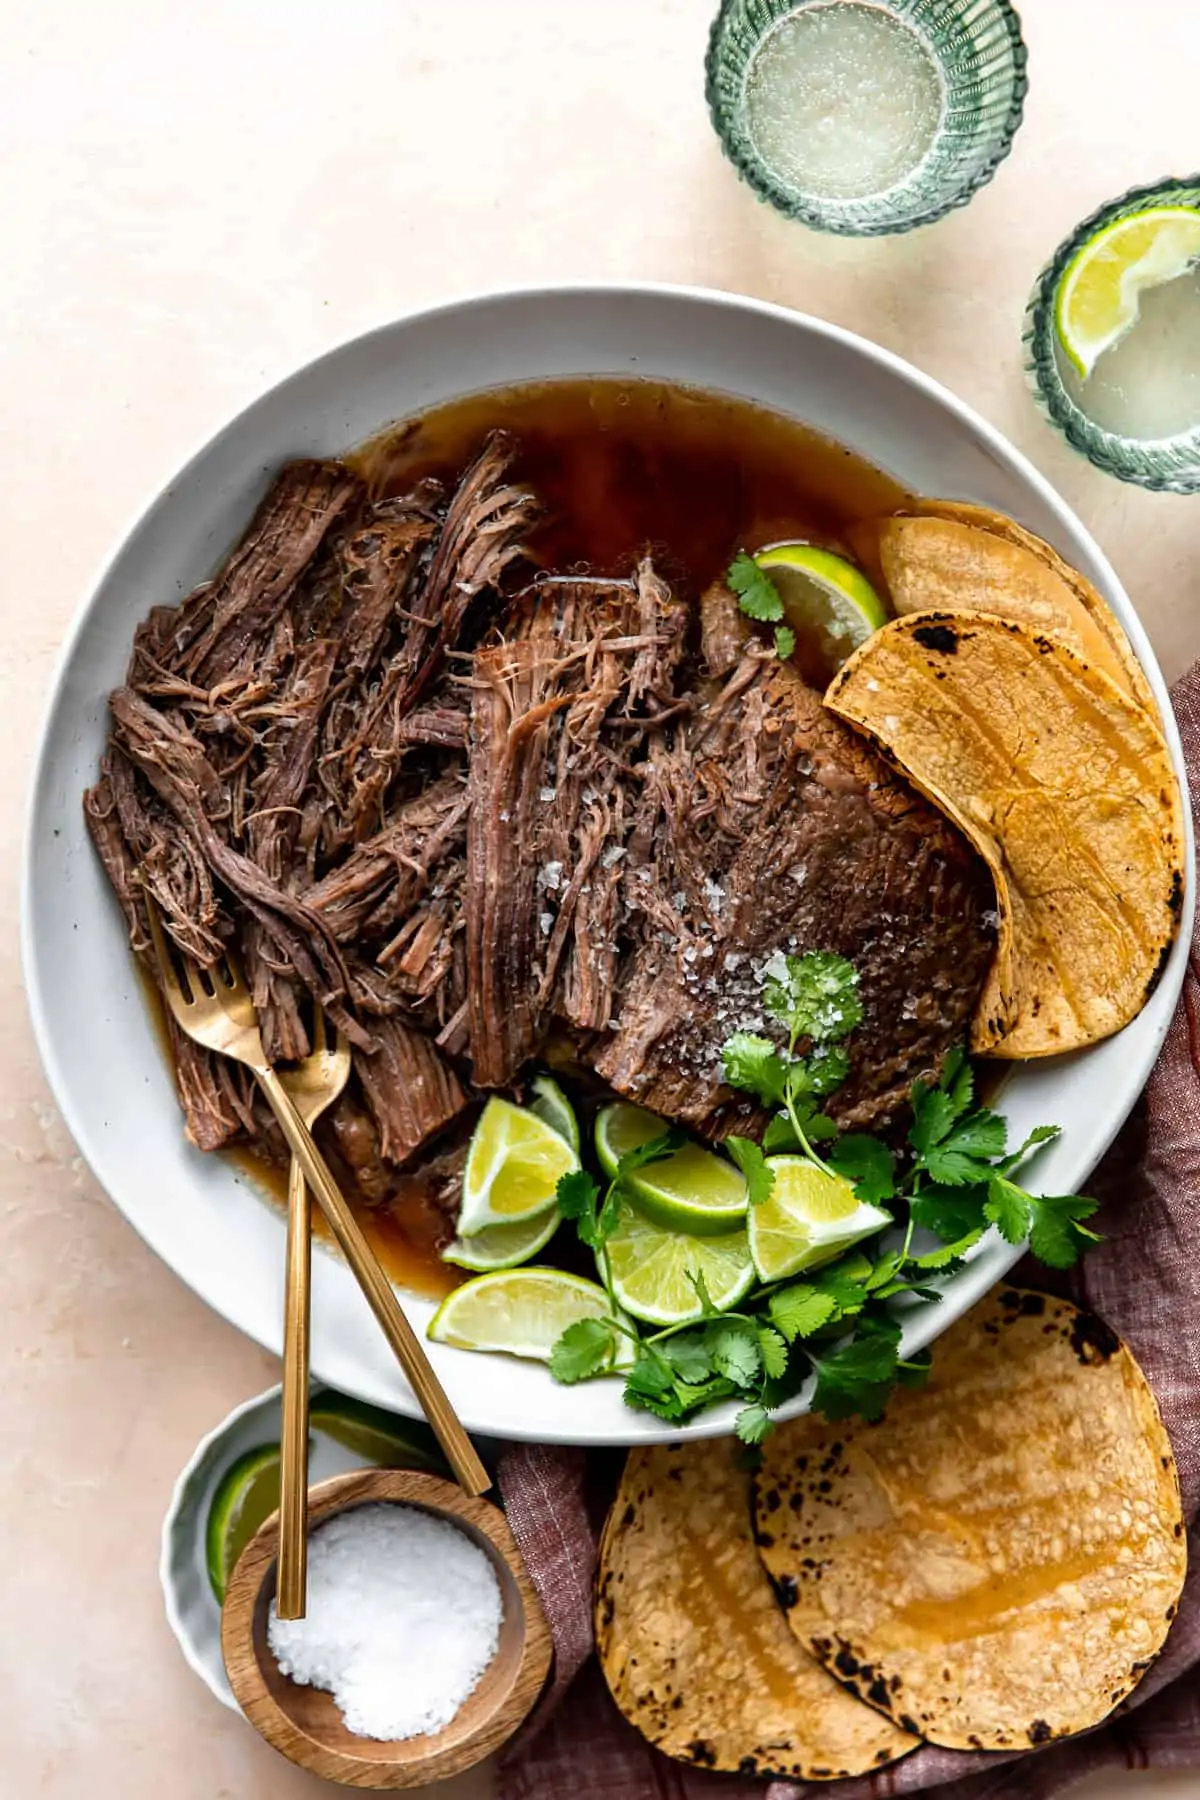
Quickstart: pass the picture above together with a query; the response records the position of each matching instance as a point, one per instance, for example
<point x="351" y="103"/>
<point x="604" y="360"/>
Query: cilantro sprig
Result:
<point x="760" y="599"/>
<point x="834" y="1333"/>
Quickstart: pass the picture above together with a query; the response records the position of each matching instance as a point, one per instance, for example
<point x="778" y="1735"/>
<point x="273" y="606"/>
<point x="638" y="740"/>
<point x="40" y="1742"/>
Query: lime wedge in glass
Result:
<point x="651" y="1269"/>
<point x="690" y="1190"/>
<point x="504" y="1246"/>
<point x="377" y="1436"/>
<point x="829" y="604"/>
<point x="808" y="1219"/>
<point x="551" y="1105"/>
<point x="1097" y="297"/>
<point x="522" y="1312"/>
<point x="247" y="1495"/>
<point x="513" y="1167"/>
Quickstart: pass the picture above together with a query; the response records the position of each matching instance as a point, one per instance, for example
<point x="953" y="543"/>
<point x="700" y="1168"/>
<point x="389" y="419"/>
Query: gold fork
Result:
<point x="215" y="1008"/>
<point x="311" y="1085"/>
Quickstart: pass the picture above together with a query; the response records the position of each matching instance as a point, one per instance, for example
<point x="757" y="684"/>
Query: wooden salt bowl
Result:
<point x="304" y="1723"/>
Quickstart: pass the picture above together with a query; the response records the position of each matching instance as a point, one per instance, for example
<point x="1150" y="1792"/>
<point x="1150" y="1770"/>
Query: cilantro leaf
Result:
<point x="785" y="641"/>
<point x="688" y="1356"/>
<point x="754" y="1063"/>
<point x="1058" y="1236"/>
<point x="757" y="594"/>
<point x="950" y="1213"/>
<point x="753" y="1164"/>
<point x="774" y="1352"/>
<point x="936" y="1109"/>
<point x="576" y="1194"/>
<point x="885" y="1270"/>
<point x="967" y="1150"/>
<point x="753" y="1423"/>
<point x="818" y="1127"/>
<point x="798" y="1311"/>
<point x="584" y="1349"/>
<point x="1041" y="1134"/>
<point x="653" y="1150"/>
<point x="779" y="1137"/>
<point x="814" y="995"/>
<point x="946" y="1256"/>
<point x="650" y="1385"/>
<point x="866" y="1163"/>
<point x="1010" y="1209"/>
<point x="734" y="1350"/>
<point x="856" y="1378"/>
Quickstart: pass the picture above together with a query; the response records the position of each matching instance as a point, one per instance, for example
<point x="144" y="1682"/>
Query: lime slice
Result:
<point x="513" y="1167"/>
<point x="1096" y="301"/>
<point x="809" y="1218"/>
<point x="829" y="604"/>
<point x="551" y="1105"/>
<point x="247" y="1495"/>
<point x="522" y="1312"/>
<point x="690" y="1190"/>
<point x="378" y="1437"/>
<point x="504" y="1246"/>
<point x="650" y="1268"/>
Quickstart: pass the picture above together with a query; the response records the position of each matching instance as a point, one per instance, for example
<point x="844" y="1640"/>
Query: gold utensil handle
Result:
<point x="410" y="1352"/>
<point x="293" y="1449"/>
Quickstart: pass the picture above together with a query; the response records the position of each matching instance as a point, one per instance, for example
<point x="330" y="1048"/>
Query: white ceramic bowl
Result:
<point x="99" y="1049"/>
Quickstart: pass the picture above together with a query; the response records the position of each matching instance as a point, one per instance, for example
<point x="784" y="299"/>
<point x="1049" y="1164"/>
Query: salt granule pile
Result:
<point x="403" y="1618"/>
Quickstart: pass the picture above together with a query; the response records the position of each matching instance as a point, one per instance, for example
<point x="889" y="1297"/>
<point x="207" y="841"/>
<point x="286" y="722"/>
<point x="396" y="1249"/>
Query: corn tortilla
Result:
<point x="691" y="1641"/>
<point x="1065" y="787"/>
<point x="1000" y="525"/>
<point x="998" y="1562"/>
<point x="934" y="564"/>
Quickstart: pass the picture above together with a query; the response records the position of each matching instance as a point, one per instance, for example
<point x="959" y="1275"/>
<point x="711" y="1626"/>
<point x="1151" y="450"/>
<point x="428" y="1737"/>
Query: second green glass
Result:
<point x="864" y="118"/>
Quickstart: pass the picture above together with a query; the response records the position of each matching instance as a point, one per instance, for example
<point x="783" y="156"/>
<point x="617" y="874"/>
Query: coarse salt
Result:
<point x="404" y="1615"/>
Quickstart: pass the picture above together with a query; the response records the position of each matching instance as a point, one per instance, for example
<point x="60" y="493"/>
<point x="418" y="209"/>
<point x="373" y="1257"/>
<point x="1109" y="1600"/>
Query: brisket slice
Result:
<point x="215" y="635"/>
<point x="410" y="1089"/>
<point x="171" y="760"/>
<point x="214" y="1093"/>
<point x="481" y="534"/>
<point x="798" y="838"/>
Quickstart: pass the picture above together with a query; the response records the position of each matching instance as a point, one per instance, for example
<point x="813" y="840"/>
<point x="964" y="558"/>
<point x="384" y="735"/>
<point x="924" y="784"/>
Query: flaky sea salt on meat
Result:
<point x="404" y="1615"/>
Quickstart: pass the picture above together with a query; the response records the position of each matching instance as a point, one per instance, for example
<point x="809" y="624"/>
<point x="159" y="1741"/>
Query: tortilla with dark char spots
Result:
<point x="692" y="1642"/>
<point x="998" y="1561"/>
<point x="1064" y="785"/>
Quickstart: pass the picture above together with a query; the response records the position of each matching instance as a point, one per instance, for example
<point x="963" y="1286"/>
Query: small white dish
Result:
<point x="193" y="1611"/>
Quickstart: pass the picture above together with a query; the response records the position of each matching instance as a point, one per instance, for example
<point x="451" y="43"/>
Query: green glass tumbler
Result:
<point x="1166" y="464"/>
<point x="978" y="58"/>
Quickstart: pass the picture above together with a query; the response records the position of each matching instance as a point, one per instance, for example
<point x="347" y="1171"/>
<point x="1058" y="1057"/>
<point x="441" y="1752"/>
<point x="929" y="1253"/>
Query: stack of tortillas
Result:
<point x="1007" y="692"/>
<point x="993" y="1566"/>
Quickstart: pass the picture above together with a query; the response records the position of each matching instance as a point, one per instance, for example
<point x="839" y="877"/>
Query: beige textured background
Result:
<point x="194" y="199"/>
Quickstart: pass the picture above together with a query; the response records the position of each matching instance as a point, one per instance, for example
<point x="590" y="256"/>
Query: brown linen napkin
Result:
<point x="1144" y="1279"/>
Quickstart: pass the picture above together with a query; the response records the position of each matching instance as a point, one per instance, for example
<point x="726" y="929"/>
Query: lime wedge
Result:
<point x="551" y="1105"/>
<point x="377" y="1436"/>
<point x="247" y="1495"/>
<point x="1097" y="297"/>
<point x="651" y="1268"/>
<point x="504" y="1246"/>
<point x="522" y="1312"/>
<point x="513" y="1167"/>
<point x="809" y="1218"/>
<point x="690" y="1190"/>
<point x="829" y="604"/>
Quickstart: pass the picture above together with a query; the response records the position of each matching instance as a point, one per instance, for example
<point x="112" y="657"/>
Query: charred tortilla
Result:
<point x="935" y="564"/>
<point x="998" y="1562"/>
<point x="692" y="1644"/>
<point x="999" y="525"/>
<point x="1065" y="787"/>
